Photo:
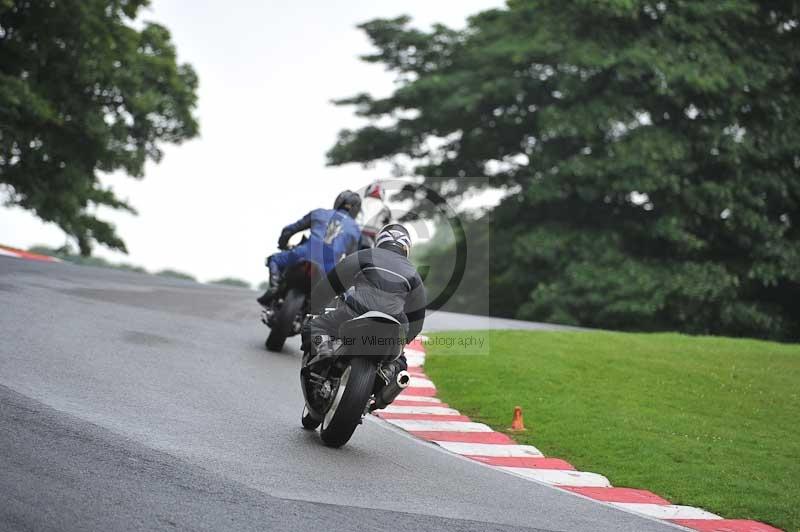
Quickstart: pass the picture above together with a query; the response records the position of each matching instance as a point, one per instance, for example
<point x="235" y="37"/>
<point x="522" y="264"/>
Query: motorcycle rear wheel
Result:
<point x="309" y="422"/>
<point x="284" y="320"/>
<point x="344" y="415"/>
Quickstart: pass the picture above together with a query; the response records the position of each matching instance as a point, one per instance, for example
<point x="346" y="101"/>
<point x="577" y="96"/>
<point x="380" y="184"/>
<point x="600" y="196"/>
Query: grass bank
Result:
<point x="705" y="421"/>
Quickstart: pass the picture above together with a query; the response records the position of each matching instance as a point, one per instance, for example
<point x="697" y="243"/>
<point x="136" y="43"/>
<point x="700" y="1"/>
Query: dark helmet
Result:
<point x="396" y="237"/>
<point x="348" y="201"/>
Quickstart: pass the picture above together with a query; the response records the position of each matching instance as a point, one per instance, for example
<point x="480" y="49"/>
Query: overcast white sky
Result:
<point x="268" y="69"/>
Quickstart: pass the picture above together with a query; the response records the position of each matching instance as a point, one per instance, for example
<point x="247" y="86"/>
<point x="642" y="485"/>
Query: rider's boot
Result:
<point x="274" y="283"/>
<point x="323" y="346"/>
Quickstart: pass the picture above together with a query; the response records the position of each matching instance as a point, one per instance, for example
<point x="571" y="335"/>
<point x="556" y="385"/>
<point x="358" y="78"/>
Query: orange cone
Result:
<point x="517" y="424"/>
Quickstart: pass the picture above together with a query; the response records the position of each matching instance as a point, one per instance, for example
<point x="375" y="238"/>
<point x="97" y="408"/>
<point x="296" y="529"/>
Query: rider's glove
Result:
<point x="283" y="241"/>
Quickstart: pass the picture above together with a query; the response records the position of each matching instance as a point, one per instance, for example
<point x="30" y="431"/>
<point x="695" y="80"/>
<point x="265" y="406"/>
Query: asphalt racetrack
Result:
<point x="136" y="402"/>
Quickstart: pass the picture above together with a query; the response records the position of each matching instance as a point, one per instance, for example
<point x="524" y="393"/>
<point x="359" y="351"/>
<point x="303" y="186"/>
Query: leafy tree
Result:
<point x="83" y="92"/>
<point x="231" y="281"/>
<point x="650" y="148"/>
<point x="448" y="286"/>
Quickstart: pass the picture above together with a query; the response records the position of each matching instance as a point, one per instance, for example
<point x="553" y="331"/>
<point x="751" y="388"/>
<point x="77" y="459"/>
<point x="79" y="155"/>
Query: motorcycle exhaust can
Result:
<point x="390" y="392"/>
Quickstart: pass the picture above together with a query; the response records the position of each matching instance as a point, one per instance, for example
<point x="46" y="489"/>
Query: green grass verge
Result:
<point x="704" y="421"/>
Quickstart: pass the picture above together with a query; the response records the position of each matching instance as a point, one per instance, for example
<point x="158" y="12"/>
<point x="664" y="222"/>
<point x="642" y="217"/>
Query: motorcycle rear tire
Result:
<point x="345" y="413"/>
<point x="308" y="421"/>
<point x="284" y="320"/>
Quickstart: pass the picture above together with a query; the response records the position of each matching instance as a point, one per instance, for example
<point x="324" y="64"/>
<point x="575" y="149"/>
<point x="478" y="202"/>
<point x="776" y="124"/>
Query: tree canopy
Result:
<point x="651" y="150"/>
<point x="83" y="92"/>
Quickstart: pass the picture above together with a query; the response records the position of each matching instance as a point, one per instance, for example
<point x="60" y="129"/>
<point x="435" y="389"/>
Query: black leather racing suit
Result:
<point x="382" y="280"/>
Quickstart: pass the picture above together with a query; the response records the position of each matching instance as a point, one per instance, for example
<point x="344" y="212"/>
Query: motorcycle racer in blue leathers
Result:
<point x="334" y="234"/>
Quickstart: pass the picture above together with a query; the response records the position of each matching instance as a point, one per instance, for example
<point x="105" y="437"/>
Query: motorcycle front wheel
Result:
<point x="344" y="414"/>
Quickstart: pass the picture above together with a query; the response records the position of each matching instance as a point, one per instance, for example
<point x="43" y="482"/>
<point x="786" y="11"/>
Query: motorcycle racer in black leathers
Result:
<point x="378" y="279"/>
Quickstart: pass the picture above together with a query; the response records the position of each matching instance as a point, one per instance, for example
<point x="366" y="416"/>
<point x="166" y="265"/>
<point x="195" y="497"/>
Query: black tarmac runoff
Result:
<point x="135" y="402"/>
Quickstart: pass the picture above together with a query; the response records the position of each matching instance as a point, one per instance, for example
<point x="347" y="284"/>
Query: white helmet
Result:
<point x="374" y="190"/>
<point x="394" y="236"/>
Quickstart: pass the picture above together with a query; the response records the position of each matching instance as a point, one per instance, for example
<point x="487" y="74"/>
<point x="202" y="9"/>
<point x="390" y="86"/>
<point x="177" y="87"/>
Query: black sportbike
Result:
<point x="286" y="312"/>
<point x="358" y="378"/>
